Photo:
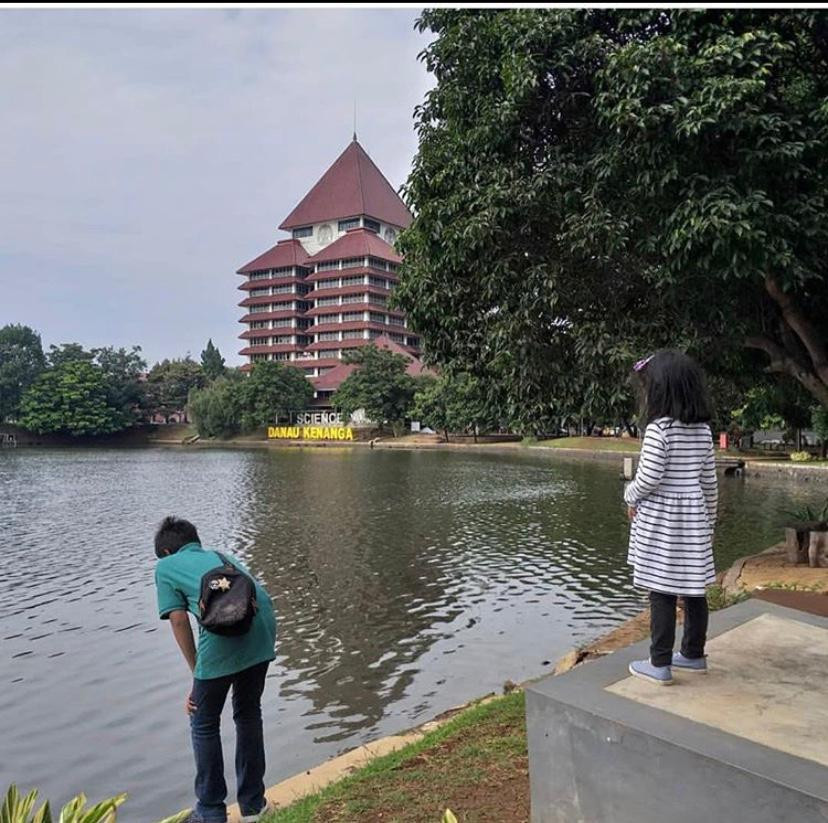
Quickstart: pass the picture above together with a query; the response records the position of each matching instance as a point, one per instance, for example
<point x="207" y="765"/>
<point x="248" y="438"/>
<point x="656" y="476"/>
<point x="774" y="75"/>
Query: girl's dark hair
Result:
<point x="173" y="533"/>
<point x="673" y="385"/>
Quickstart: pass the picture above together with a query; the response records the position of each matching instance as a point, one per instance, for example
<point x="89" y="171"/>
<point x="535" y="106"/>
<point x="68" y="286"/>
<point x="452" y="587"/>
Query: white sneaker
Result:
<point x="254" y="818"/>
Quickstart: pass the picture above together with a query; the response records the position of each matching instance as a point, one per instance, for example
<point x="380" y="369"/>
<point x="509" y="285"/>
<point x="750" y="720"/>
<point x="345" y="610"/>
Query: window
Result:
<point x="258" y="358"/>
<point x="390" y="235"/>
<point x="325" y="370"/>
<point x="327" y="284"/>
<point x="327" y="301"/>
<point x="357" y="280"/>
<point x="376" y="317"/>
<point x="397" y="338"/>
<point x="376" y="263"/>
<point x="353" y="316"/>
<point x="377" y="300"/>
<point x="352" y="333"/>
<point x="281" y="355"/>
<point x="282" y="339"/>
<point x="393" y="267"/>
<point x="353" y="262"/>
<point x="351" y="223"/>
<point x="259" y="341"/>
<point x="379" y="282"/>
<point x="260" y="275"/>
<point x="327" y="318"/>
<point x="304" y="231"/>
<point x="414" y="341"/>
<point x="302" y="323"/>
<point x="373" y="334"/>
<point x="259" y="309"/>
<point x="259" y="292"/>
<point x="259" y="324"/>
<point x="353" y="298"/>
<point x="285" y="322"/>
<point x="327" y="335"/>
<point x="328" y="265"/>
<point x="288" y="289"/>
<point x="371" y="225"/>
<point x="396" y="321"/>
<point x="324" y="354"/>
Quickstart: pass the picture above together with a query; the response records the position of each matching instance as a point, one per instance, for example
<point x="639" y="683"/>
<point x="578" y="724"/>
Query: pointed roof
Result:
<point x="285" y="253"/>
<point x="357" y="243"/>
<point x="353" y="185"/>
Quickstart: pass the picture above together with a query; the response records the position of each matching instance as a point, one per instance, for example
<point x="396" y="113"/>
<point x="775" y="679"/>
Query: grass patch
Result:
<point x="718" y="599"/>
<point x="476" y="764"/>
<point x="601" y="444"/>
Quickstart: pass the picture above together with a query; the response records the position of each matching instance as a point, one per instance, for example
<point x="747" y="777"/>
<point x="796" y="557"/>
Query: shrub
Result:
<point x="801" y="457"/>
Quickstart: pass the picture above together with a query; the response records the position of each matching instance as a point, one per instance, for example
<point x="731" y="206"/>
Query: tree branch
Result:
<point x="782" y="362"/>
<point x="806" y="331"/>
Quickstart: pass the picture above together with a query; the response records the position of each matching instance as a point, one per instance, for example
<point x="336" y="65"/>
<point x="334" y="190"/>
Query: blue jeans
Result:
<point x="209" y="697"/>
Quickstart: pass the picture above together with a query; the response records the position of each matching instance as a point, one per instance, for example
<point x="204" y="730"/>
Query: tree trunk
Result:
<point x="446" y="432"/>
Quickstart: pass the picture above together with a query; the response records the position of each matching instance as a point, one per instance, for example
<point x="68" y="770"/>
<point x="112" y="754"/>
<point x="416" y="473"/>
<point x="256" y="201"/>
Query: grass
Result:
<point x="476" y="764"/>
<point x="604" y="444"/>
<point x="718" y="599"/>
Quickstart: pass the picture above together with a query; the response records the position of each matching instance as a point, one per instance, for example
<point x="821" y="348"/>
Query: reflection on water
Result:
<point x="404" y="582"/>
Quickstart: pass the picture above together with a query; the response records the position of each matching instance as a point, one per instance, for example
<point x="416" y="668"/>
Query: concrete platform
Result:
<point x="747" y="742"/>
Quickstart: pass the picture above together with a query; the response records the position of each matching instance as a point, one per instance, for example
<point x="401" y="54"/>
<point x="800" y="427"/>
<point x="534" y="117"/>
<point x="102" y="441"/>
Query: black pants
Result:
<point x="663" y="627"/>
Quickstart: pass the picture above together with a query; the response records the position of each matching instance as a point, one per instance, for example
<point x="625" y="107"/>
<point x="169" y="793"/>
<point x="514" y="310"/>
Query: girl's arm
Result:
<point x="709" y="485"/>
<point x="651" y="466"/>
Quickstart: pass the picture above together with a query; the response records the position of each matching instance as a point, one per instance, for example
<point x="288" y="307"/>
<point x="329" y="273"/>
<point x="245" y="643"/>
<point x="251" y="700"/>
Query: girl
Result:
<point x="672" y="507"/>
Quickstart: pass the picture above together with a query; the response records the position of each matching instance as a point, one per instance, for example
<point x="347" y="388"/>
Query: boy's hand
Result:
<point x="189" y="706"/>
<point x="631" y="512"/>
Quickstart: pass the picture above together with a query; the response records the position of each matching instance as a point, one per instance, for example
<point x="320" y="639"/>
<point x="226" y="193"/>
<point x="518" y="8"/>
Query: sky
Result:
<point x="147" y="154"/>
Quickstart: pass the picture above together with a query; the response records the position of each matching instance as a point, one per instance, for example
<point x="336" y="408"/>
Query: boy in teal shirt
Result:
<point x="218" y="663"/>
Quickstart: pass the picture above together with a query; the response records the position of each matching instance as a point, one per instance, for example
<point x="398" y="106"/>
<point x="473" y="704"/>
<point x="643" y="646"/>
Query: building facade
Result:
<point x="325" y="290"/>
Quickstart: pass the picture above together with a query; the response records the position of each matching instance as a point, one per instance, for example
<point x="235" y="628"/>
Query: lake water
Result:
<point x="404" y="583"/>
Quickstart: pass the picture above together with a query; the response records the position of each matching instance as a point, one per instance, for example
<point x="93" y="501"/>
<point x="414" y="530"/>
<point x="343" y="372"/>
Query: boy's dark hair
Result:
<point x="673" y="385"/>
<point x="173" y="533"/>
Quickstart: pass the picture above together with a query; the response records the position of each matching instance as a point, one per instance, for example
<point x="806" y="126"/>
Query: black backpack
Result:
<point x="227" y="604"/>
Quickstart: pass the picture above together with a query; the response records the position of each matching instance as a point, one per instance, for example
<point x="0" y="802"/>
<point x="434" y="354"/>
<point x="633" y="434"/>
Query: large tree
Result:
<point x="169" y="383"/>
<point x="21" y="361"/>
<point x="272" y="390"/>
<point x="217" y="408"/>
<point x="380" y="385"/>
<point x="452" y="403"/>
<point x="592" y="184"/>
<point x="70" y="398"/>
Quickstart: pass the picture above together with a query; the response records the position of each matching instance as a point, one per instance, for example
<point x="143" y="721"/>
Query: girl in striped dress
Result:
<point x="672" y="508"/>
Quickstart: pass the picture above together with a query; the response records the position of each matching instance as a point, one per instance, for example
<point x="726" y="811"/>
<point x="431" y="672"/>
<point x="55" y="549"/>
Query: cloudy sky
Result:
<point x="146" y="154"/>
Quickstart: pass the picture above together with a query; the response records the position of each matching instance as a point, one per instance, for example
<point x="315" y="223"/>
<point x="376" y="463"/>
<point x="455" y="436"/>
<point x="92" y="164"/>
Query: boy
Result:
<point x="218" y="663"/>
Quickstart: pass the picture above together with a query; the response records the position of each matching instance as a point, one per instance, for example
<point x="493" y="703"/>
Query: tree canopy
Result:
<point x="272" y="390"/>
<point x="591" y="185"/>
<point x="452" y="403"/>
<point x="169" y="383"/>
<point x="212" y="363"/>
<point x="70" y="398"/>
<point x="21" y="361"/>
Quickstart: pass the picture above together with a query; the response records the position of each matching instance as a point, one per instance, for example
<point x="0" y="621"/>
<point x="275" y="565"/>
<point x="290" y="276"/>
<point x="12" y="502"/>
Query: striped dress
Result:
<point x="675" y="496"/>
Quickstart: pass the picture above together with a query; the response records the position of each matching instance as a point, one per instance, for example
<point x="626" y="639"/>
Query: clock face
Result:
<point x="325" y="234"/>
<point x="390" y="235"/>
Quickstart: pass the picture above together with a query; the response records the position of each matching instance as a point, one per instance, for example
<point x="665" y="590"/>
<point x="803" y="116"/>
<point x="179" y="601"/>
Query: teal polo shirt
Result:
<point x="178" y="585"/>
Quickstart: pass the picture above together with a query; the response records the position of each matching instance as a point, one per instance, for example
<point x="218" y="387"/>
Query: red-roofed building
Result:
<point x="326" y="289"/>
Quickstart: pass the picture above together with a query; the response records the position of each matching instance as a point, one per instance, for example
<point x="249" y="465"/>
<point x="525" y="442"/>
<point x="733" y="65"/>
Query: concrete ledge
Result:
<point x="595" y="755"/>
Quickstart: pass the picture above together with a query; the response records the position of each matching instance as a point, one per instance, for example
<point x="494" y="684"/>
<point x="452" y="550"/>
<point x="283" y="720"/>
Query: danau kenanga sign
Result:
<point x="312" y="426"/>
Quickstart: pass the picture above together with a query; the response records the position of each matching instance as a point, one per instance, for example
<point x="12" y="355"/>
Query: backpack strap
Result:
<point x="225" y="561"/>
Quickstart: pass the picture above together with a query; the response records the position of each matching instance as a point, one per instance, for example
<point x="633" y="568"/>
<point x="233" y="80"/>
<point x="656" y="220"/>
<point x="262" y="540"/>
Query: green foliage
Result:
<point x="593" y="184"/>
<point x="451" y="403"/>
<point x="212" y="363"/>
<point x="71" y="398"/>
<point x="272" y="390"/>
<point x="808" y="514"/>
<point x="69" y="353"/>
<point x="169" y="384"/>
<point x="216" y="409"/>
<point x="122" y="369"/>
<point x="801" y="457"/>
<point x="19" y="809"/>
<point x="21" y="361"/>
<point x="379" y="385"/>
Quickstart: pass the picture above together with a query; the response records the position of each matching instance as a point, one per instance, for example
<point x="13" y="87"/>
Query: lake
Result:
<point x="405" y="583"/>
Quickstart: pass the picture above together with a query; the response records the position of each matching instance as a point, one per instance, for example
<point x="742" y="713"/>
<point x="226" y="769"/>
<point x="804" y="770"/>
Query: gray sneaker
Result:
<point x="256" y="816"/>
<point x="690" y="664"/>
<point x="660" y="675"/>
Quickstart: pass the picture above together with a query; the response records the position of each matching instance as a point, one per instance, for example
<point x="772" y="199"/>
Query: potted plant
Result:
<point x="806" y="535"/>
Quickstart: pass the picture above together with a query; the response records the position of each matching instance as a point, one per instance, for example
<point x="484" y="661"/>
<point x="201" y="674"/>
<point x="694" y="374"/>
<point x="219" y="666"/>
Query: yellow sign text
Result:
<point x="310" y="433"/>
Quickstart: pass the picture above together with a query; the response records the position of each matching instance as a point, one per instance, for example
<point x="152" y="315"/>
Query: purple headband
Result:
<point x="641" y="363"/>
